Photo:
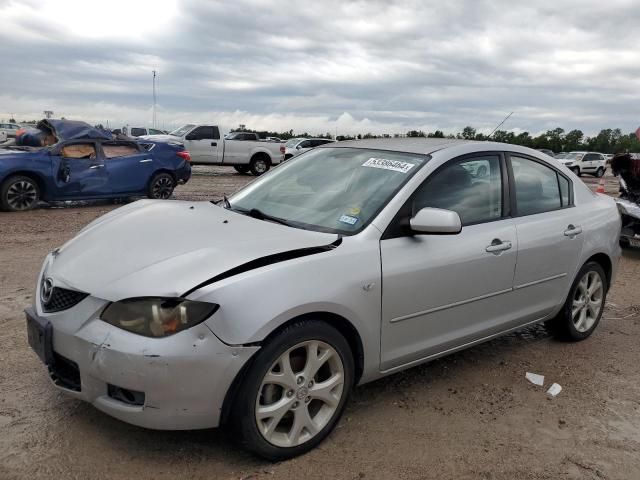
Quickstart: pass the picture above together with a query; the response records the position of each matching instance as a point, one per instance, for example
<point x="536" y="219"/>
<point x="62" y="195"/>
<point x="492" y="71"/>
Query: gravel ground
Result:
<point x="469" y="415"/>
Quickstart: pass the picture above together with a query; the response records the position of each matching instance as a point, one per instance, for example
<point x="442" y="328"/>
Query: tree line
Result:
<point x="607" y="141"/>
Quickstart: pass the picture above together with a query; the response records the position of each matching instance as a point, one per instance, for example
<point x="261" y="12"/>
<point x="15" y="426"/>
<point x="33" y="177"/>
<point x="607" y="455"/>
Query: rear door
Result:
<point x="549" y="235"/>
<point x="442" y="291"/>
<point x="129" y="168"/>
<point x="203" y="144"/>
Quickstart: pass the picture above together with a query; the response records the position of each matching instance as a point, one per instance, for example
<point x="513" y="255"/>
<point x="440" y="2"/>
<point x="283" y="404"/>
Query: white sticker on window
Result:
<point x="348" y="219"/>
<point x="386" y="164"/>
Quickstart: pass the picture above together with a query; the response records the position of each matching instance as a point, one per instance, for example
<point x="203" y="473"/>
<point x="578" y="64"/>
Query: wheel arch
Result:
<point x="340" y="323"/>
<point x="162" y="170"/>
<point x="261" y="154"/>
<point x="604" y="261"/>
<point x="42" y="184"/>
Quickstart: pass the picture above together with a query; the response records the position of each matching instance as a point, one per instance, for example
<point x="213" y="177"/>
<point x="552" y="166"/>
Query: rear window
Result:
<point x="138" y="132"/>
<point x="113" y="150"/>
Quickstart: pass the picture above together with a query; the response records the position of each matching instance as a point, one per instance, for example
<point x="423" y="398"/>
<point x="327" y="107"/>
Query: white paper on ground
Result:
<point x="535" y="378"/>
<point x="554" y="390"/>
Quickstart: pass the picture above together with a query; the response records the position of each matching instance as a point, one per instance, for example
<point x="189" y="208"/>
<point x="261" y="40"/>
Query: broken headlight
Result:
<point x="156" y="316"/>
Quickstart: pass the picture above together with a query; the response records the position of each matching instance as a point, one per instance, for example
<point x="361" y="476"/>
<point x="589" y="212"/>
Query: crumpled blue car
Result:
<point x="64" y="160"/>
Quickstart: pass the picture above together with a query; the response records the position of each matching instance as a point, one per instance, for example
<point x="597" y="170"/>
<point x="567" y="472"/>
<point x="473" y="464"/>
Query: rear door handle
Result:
<point x="93" y="167"/>
<point x="498" y="246"/>
<point x="214" y="144"/>
<point x="572" y="231"/>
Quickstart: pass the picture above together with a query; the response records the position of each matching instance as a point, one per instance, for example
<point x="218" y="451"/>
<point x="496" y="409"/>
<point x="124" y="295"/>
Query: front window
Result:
<point x="574" y="156"/>
<point x="179" y="132"/>
<point x="338" y="190"/>
<point x="138" y="132"/>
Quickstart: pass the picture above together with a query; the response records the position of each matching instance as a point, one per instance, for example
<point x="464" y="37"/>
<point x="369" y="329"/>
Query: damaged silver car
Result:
<point x="352" y="261"/>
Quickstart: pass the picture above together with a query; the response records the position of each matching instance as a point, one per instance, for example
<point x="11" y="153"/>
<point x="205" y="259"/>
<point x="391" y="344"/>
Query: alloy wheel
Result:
<point x="162" y="188"/>
<point x="260" y="166"/>
<point x="587" y="301"/>
<point x="300" y="394"/>
<point x="21" y="195"/>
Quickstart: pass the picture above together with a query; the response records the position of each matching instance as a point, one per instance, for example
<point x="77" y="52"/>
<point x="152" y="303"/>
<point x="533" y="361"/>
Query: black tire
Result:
<point x="19" y="193"/>
<point x="242" y="169"/>
<point x="599" y="172"/>
<point x="576" y="170"/>
<point x="161" y="186"/>
<point x="259" y="164"/>
<point x="562" y="325"/>
<point x="242" y="418"/>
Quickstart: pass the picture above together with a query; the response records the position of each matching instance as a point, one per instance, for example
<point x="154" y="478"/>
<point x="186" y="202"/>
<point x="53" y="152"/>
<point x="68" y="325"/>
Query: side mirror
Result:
<point x="436" y="220"/>
<point x="191" y="136"/>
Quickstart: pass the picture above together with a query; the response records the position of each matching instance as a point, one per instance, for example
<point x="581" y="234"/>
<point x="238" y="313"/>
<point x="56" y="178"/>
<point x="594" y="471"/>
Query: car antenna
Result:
<point x="499" y="125"/>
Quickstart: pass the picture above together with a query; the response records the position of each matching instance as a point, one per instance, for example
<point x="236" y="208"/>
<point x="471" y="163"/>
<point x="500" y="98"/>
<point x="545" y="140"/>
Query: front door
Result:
<point x="80" y="171"/>
<point x="203" y="144"/>
<point x="442" y="291"/>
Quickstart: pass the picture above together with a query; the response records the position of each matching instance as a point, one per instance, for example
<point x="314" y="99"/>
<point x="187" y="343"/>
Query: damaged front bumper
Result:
<point x="172" y="383"/>
<point x="630" y="214"/>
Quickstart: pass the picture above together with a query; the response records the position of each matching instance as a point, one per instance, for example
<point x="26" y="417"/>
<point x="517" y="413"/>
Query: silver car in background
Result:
<point x="297" y="146"/>
<point x="353" y="261"/>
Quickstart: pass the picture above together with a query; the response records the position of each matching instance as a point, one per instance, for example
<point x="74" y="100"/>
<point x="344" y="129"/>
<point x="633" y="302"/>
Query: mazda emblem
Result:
<point x="46" y="290"/>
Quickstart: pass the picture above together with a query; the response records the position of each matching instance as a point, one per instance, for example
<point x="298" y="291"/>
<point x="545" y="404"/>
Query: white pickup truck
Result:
<point x="242" y="150"/>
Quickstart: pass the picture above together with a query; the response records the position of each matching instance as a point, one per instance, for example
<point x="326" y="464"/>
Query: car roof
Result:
<point x="409" y="145"/>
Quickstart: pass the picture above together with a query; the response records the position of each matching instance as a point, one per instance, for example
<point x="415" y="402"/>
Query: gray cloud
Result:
<point x="355" y="65"/>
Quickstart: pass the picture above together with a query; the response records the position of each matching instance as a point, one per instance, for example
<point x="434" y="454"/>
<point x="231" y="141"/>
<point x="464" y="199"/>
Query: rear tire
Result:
<point x="259" y="164"/>
<point x="294" y="391"/>
<point x="19" y="193"/>
<point x="242" y="169"/>
<point x="161" y="186"/>
<point x="583" y="308"/>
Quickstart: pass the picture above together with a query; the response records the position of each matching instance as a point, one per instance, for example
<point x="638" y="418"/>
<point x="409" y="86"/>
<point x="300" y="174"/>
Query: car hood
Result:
<point x="166" y="248"/>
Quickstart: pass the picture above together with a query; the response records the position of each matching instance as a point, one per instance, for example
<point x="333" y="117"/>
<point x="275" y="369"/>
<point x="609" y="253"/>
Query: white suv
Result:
<point x="592" y="163"/>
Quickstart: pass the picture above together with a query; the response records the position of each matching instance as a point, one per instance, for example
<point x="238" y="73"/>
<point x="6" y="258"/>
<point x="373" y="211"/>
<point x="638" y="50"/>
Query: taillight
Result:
<point x="184" y="155"/>
<point x="282" y="149"/>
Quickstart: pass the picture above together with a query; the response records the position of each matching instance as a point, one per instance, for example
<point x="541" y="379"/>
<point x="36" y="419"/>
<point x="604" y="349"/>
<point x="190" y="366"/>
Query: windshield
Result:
<point x="293" y="142"/>
<point x="337" y="190"/>
<point x="574" y="155"/>
<point x="182" y="130"/>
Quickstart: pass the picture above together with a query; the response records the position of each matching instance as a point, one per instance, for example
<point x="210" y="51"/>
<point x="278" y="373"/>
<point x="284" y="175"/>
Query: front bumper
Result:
<point x="183" y="378"/>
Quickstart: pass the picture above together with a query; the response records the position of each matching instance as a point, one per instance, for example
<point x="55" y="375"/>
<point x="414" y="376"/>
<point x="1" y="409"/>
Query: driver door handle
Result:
<point x="93" y="167"/>
<point x="572" y="231"/>
<point x="498" y="246"/>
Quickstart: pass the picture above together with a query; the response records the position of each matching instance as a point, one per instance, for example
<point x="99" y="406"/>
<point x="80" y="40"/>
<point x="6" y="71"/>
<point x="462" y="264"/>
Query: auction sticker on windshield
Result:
<point x="386" y="164"/>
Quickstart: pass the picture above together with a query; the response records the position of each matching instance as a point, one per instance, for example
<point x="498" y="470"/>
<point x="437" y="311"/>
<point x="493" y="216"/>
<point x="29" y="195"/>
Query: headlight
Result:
<point x="568" y="164"/>
<point x="155" y="316"/>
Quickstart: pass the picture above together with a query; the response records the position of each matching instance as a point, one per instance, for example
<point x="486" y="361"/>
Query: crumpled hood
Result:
<point x="165" y="248"/>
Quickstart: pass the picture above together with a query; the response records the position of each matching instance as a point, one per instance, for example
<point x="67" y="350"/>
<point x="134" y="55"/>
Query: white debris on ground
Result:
<point x="554" y="390"/>
<point x="535" y="378"/>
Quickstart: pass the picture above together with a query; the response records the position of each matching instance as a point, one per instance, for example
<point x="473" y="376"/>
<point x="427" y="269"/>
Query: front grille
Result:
<point x="62" y="299"/>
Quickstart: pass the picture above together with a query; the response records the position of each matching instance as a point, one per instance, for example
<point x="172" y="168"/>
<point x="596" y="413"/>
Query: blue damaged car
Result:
<point x="64" y="160"/>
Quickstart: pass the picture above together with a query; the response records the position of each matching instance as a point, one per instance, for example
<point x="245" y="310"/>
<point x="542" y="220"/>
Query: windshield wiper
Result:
<point x="224" y="201"/>
<point x="260" y="215"/>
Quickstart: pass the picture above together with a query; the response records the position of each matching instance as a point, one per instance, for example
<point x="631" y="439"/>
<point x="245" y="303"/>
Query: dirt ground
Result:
<point x="471" y="415"/>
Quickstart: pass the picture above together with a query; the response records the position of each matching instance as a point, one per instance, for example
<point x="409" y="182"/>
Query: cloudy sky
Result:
<point x="322" y="66"/>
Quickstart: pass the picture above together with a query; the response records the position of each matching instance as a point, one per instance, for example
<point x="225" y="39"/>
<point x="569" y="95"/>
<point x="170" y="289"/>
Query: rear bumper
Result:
<point x="174" y="383"/>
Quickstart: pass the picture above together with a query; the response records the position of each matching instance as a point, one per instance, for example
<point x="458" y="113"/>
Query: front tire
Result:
<point x="19" y="193"/>
<point x="576" y="170"/>
<point x="583" y="308"/>
<point x="161" y="186"/>
<point x="294" y="392"/>
<point x="259" y="164"/>
<point x="600" y="172"/>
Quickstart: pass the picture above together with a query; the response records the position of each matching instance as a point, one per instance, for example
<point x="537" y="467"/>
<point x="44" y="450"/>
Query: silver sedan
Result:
<point x="353" y="261"/>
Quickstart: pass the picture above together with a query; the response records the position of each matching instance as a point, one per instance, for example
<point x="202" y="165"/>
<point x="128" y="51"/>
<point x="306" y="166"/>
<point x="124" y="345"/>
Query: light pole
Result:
<point x="154" y="99"/>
